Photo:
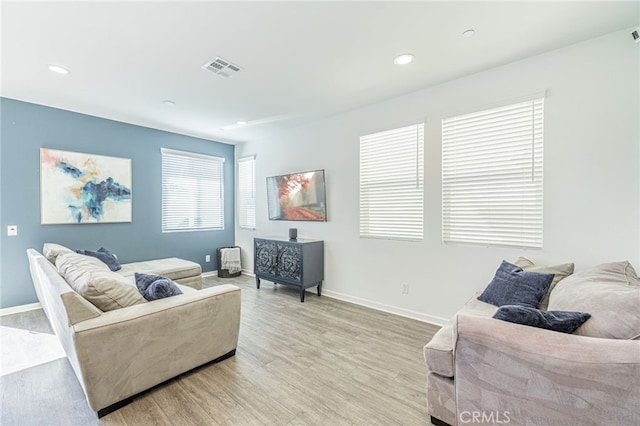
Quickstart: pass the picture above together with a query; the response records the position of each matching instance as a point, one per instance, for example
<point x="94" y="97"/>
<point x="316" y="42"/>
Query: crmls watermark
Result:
<point x="483" y="417"/>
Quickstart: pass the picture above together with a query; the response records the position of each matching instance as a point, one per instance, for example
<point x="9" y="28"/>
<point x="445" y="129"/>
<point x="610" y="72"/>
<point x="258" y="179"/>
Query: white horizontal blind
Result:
<point x="192" y="191"/>
<point x="392" y="184"/>
<point x="247" y="193"/>
<point x="492" y="176"/>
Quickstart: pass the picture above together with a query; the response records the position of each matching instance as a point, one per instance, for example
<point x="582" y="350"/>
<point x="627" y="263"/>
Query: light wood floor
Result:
<point x="321" y="362"/>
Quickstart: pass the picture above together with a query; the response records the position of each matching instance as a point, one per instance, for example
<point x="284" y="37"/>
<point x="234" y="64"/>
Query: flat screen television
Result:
<point x="297" y="196"/>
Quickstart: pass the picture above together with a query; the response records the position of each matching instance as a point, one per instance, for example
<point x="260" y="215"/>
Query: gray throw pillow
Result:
<point x="513" y="286"/>
<point x="154" y="287"/>
<point x="562" y="321"/>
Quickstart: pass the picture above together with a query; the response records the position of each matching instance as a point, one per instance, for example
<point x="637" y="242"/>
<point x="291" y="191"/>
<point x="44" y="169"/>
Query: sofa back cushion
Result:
<point x="610" y="293"/>
<point x="51" y="251"/>
<point x="93" y="280"/>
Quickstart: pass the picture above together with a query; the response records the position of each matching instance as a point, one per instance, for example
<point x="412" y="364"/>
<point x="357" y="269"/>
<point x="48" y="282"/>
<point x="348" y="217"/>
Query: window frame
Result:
<point x="391" y="184"/>
<point x="495" y="195"/>
<point x="183" y="173"/>
<point x="248" y="210"/>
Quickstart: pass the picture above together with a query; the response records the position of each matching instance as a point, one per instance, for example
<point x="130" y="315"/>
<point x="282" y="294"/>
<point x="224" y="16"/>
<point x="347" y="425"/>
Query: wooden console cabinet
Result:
<point x="295" y="263"/>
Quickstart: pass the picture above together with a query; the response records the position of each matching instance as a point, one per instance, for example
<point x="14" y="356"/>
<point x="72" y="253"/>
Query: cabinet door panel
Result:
<point x="289" y="262"/>
<point x="266" y="254"/>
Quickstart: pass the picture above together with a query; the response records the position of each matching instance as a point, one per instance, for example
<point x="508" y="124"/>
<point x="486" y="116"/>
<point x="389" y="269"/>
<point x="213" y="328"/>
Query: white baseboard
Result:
<point x="19" y="309"/>
<point x="386" y="308"/>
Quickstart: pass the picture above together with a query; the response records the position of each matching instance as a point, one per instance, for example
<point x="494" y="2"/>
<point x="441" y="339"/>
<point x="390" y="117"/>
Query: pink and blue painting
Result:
<point x="84" y="188"/>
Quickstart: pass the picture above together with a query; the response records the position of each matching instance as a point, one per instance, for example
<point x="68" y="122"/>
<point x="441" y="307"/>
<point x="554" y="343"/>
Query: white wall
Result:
<point x="591" y="179"/>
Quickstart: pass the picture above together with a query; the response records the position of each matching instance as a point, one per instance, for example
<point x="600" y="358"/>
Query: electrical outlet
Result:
<point x="207" y="258"/>
<point x="405" y="288"/>
<point x="12" y="230"/>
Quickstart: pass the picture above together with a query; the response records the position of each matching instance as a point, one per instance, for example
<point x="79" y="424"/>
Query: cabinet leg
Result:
<point x="302" y="294"/>
<point x="257" y="282"/>
<point x="320" y="289"/>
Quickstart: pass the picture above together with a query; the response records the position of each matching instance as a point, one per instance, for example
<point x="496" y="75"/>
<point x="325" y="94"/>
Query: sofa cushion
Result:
<point x="513" y="286"/>
<point x="194" y="282"/>
<point x="105" y="256"/>
<point x="93" y="280"/>
<point x="173" y="268"/>
<point x="559" y="272"/>
<point x="154" y="287"/>
<point x="562" y="321"/>
<point x="610" y="293"/>
<point x="185" y="289"/>
<point x="51" y="251"/>
<point x="438" y="353"/>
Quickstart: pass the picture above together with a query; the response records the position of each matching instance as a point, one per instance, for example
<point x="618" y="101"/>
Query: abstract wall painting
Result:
<point x="84" y="188"/>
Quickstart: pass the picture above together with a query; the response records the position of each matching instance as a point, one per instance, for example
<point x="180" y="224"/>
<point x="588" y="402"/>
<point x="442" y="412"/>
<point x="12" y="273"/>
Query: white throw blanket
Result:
<point x="230" y="259"/>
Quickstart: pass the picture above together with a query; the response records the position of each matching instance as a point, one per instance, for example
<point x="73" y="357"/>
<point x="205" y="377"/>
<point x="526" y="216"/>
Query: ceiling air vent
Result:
<point x="222" y="67"/>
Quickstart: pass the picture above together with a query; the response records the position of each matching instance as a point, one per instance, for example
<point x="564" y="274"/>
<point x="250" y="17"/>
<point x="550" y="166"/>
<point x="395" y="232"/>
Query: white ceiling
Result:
<point x="300" y="60"/>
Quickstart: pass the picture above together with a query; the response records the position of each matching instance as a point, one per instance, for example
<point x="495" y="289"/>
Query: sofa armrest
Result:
<point x="126" y="351"/>
<point x="527" y="375"/>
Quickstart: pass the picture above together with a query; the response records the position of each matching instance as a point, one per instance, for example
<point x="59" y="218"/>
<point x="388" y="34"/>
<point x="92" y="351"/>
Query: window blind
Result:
<point x="492" y="176"/>
<point x="192" y="191"/>
<point x="247" y="193"/>
<point x="392" y="184"/>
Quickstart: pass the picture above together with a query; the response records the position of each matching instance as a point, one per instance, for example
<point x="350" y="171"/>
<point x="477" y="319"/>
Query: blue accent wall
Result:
<point x="28" y="127"/>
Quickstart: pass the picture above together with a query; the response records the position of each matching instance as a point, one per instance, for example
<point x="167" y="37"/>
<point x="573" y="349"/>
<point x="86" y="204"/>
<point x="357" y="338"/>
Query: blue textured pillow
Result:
<point x="562" y="321"/>
<point x="105" y="256"/>
<point x="154" y="287"/>
<point x="143" y="281"/>
<point x="513" y="286"/>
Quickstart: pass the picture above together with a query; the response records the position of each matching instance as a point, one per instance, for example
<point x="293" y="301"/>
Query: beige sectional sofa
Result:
<point x="130" y="345"/>
<point x="487" y="371"/>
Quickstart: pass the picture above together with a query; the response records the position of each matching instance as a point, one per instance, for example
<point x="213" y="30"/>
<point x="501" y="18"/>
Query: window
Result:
<point x="392" y="184"/>
<point x="492" y="176"/>
<point x="192" y="191"/>
<point x="247" y="193"/>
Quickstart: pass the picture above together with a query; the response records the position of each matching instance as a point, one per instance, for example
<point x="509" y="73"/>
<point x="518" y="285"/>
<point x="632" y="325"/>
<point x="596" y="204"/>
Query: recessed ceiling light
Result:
<point x="58" y="69"/>
<point x="468" y="33"/>
<point x="241" y="123"/>
<point x="168" y="102"/>
<point x="403" y="59"/>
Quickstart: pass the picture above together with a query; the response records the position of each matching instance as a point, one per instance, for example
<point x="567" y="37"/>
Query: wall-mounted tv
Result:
<point x="297" y="196"/>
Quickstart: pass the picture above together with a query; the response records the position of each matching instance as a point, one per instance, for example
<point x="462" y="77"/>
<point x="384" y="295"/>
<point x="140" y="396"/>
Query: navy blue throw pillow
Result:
<point x="562" y="321"/>
<point x="105" y="256"/>
<point x="154" y="287"/>
<point x="513" y="286"/>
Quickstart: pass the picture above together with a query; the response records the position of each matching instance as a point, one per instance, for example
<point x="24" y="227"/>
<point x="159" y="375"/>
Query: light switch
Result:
<point x="12" y="230"/>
